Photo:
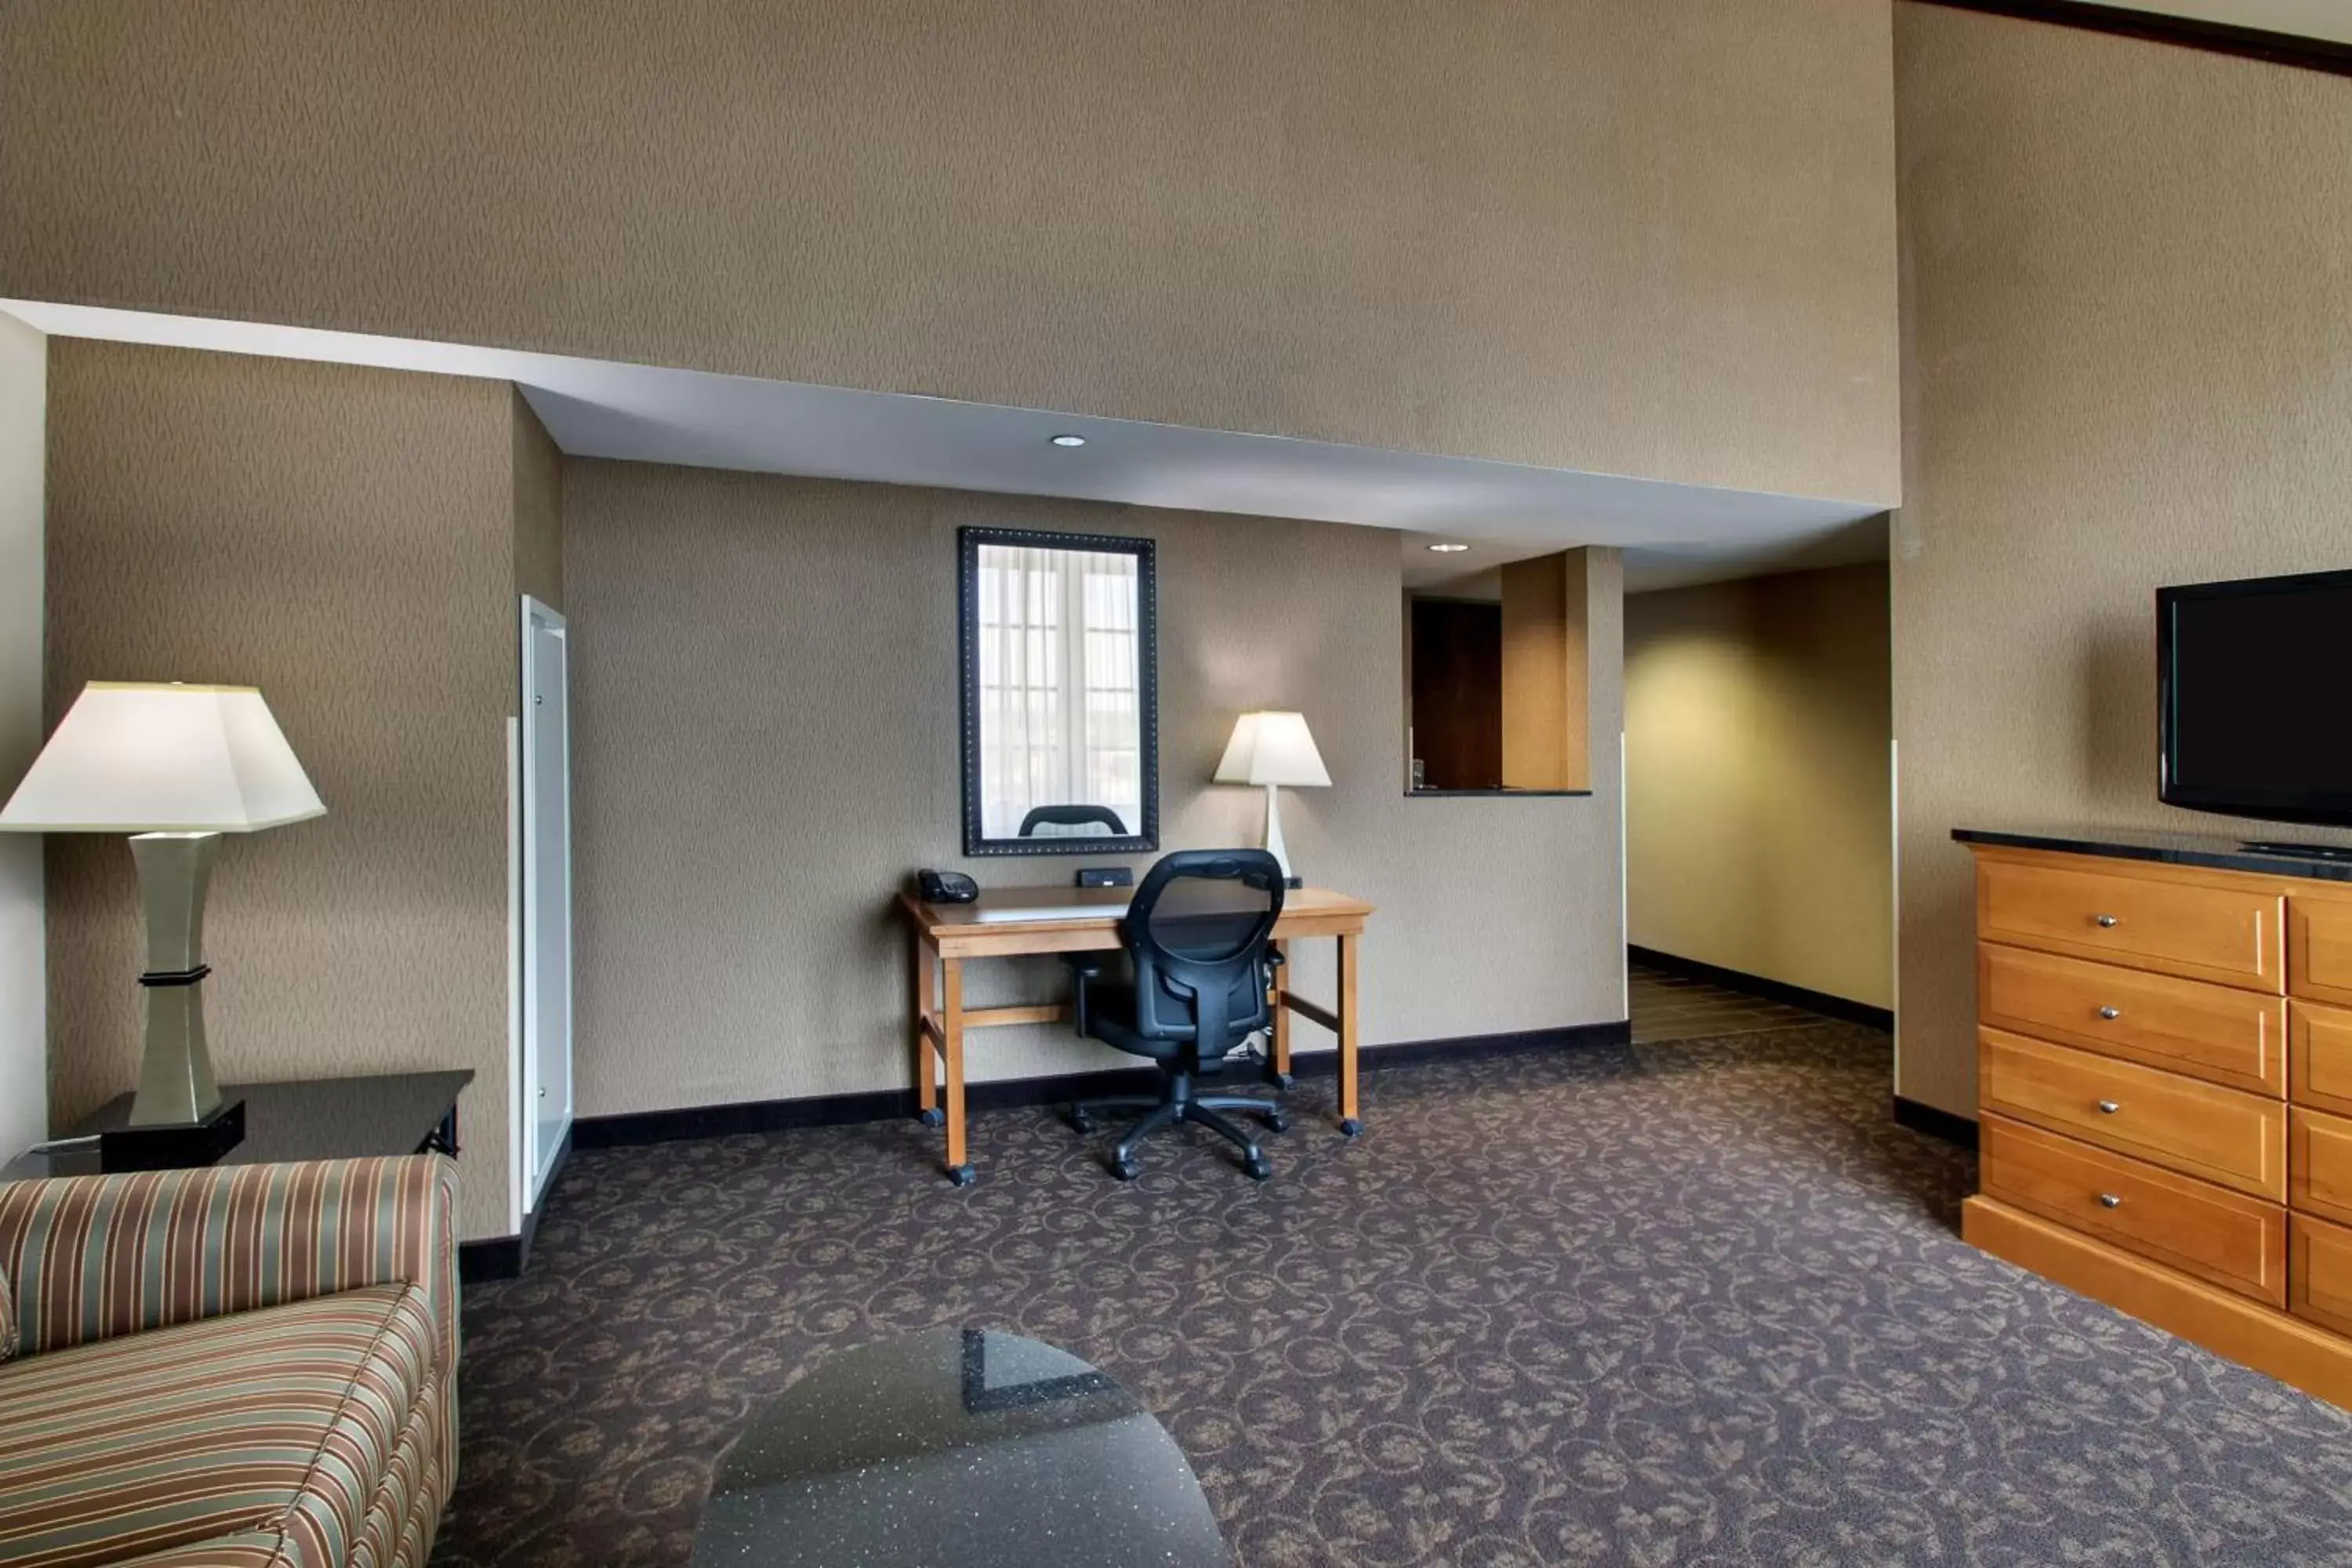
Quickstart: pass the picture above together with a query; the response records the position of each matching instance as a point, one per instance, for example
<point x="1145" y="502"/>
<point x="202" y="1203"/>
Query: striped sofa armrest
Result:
<point x="89" y="1257"/>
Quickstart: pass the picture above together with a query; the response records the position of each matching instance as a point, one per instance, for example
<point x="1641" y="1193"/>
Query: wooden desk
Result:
<point x="1018" y="922"/>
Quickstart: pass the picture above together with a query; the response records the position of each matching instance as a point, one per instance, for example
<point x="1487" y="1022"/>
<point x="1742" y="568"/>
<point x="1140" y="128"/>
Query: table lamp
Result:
<point x="1273" y="748"/>
<point x="175" y="766"/>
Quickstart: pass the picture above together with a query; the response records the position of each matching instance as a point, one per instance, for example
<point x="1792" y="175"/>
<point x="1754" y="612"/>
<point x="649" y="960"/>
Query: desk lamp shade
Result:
<point x="1272" y="748"/>
<point x="176" y="766"/>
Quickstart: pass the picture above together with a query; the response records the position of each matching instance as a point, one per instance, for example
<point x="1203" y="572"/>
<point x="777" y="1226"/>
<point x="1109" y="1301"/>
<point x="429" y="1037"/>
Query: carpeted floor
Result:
<point x="1686" y="1303"/>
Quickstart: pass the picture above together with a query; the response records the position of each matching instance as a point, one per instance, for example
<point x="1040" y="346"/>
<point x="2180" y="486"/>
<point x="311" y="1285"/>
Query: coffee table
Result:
<point x="957" y="1448"/>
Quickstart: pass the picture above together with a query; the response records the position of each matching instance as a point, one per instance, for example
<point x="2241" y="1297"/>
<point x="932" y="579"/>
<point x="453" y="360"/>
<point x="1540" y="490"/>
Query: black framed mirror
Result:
<point x="1060" y="638"/>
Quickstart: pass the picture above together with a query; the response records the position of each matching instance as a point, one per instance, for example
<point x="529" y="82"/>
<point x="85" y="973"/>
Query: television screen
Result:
<point x="2256" y="697"/>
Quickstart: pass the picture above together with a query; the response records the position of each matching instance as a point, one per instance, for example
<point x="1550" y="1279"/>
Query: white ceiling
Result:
<point x="2329" y="19"/>
<point x="641" y="413"/>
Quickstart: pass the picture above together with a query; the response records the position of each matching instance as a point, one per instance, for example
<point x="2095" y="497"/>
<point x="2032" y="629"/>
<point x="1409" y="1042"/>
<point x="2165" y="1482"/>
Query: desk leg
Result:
<point x="1282" y="1019"/>
<point x="1348" y="1076"/>
<point x="959" y="1170"/>
<point x="926" y="1001"/>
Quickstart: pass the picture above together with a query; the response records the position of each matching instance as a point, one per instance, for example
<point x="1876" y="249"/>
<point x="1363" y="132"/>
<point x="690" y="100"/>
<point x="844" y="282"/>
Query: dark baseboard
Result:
<point x="1935" y="1123"/>
<point x="1412" y="1053"/>
<point x="637" y="1128"/>
<point x="1770" y="990"/>
<point x="495" y="1257"/>
<point x="2214" y="38"/>
<point x="506" y="1257"/>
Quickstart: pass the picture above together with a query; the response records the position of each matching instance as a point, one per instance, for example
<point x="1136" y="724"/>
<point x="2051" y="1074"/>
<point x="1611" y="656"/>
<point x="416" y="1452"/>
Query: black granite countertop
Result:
<point x="1497" y="794"/>
<point x="2217" y="853"/>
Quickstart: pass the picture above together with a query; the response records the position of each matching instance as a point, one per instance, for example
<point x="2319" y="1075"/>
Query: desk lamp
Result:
<point x="1274" y="749"/>
<point x="175" y="766"/>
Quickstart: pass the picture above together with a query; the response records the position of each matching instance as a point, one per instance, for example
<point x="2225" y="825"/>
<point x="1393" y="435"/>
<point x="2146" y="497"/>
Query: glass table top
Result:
<point x="959" y="1448"/>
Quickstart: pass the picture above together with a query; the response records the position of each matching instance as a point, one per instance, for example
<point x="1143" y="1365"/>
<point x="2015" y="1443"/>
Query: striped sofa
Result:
<point x="247" y="1367"/>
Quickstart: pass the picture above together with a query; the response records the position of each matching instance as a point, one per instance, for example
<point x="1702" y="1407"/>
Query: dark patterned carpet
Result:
<point x="1686" y="1303"/>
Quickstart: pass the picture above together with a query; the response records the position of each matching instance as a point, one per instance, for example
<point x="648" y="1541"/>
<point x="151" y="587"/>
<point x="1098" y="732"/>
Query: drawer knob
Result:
<point x="2107" y="922"/>
<point x="2110" y="1014"/>
<point x="2110" y="1201"/>
<point x="2109" y="1107"/>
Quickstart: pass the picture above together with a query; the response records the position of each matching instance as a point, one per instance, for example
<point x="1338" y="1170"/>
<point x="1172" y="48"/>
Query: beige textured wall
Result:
<point x="538" y="511"/>
<point x="765" y="695"/>
<point x="344" y="539"/>
<point x="24" y="1007"/>
<point x="1759" y="791"/>
<point x="2130" y="326"/>
<point x="1652" y="239"/>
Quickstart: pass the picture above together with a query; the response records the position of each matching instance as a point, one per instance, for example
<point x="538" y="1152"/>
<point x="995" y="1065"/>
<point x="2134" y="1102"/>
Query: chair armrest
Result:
<point x="89" y="1257"/>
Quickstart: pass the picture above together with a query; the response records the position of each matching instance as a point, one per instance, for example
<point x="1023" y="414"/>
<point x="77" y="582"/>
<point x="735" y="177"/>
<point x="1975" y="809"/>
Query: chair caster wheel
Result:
<point x="1258" y="1170"/>
<point x="1080" y="1122"/>
<point x="1276" y="1122"/>
<point x="1350" y="1127"/>
<point x="934" y="1117"/>
<point x="1126" y="1169"/>
<point x="963" y="1175"/>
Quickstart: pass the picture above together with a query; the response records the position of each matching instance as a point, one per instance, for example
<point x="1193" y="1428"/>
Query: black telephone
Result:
<point x="945" y="888"/>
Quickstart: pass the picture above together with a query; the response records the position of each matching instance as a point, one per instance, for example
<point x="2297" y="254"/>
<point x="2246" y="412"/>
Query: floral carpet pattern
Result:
<point x="1698" y="1303"/>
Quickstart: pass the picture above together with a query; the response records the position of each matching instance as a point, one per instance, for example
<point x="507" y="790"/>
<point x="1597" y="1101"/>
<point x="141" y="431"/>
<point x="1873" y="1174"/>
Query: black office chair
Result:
<point x="1072" y="816"/>
<point x="1200" y="936"/>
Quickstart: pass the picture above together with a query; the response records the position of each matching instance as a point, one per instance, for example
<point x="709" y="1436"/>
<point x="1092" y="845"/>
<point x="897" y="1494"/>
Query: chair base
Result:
<point x="1178" y="1105"/>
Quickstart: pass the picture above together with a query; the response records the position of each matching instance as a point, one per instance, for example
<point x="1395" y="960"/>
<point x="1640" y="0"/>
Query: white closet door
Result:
<point x="546" y="895"/>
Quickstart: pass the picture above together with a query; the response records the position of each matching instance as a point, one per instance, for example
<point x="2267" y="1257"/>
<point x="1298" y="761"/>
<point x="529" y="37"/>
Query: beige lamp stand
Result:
<point x="175" y="766"/>
<point x="1273" y="748"/>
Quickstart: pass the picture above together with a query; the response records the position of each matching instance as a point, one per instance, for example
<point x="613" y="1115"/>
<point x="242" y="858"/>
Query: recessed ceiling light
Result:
<point x="1069" y="440"/>
<point x="1447" y="549"/>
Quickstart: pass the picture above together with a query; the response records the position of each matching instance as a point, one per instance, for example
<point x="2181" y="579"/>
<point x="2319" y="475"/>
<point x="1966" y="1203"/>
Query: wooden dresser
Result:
<point x="2165" y="1080"/>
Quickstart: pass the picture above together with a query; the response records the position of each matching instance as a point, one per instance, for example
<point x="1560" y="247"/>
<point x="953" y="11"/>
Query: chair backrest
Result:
<point x="1053" y="821"/>
<point x="1197" y="931"/>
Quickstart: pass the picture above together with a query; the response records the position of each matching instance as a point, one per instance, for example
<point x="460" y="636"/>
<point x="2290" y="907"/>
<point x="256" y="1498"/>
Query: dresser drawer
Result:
<point x="2220" y="1236"/>
<point x="2319" y="1164"/>
<point x="2202" y="931"/>
<point x="2181" y="1123"/>
<point x="2319" y="1273"/>
<point x="2213" y="1032"/>
<point x="2319" y="948"/>
<point x="2320" y="1042"/>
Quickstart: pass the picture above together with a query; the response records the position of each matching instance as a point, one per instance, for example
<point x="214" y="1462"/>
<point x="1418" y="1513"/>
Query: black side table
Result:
<point x="322" y="1119"/>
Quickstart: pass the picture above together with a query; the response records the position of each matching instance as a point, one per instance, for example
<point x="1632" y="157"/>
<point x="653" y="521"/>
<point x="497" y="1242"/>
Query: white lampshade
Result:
<point x="1272" y="748"/>
<point x="137" y="758"/>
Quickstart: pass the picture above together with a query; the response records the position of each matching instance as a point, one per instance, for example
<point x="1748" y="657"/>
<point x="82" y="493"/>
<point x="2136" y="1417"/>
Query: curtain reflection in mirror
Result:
<point x="1061" y="747"/>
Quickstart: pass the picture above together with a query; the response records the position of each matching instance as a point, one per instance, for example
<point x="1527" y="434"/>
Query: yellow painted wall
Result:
<point x="1758" y="812"/>
<point x="2128" y="315"/>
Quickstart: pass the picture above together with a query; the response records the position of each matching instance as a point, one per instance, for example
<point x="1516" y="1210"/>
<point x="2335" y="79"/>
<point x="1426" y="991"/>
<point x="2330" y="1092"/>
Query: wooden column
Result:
<point x="1547" y="677"/>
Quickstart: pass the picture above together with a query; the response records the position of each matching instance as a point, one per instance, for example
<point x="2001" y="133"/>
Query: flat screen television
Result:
<point x="2254" y="697"/>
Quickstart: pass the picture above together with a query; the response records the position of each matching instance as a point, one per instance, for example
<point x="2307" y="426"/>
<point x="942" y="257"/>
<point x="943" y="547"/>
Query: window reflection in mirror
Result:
<point x="1057" y="689"/>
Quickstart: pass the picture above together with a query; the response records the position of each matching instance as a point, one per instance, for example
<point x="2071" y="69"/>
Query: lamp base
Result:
<point x="177" y="1088"/>
<point x="172" y="1146"/>
<point x="1273" y="843"/>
